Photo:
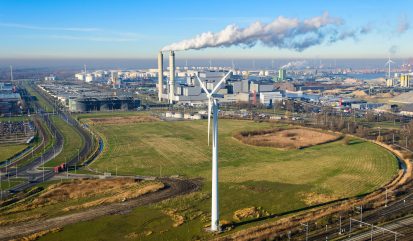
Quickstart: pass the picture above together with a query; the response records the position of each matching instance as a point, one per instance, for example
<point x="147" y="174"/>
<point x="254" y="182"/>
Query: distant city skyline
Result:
<point x="134" y="29"/>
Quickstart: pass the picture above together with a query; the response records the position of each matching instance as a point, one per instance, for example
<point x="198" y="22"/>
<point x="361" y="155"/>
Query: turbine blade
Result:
<point x="202" y="85"/>
<point x="220" y="82"/>
<point x="209" y="118"/>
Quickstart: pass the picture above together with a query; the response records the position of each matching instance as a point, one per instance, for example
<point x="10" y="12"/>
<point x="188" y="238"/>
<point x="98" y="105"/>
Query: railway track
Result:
<point x="30" y="171"/>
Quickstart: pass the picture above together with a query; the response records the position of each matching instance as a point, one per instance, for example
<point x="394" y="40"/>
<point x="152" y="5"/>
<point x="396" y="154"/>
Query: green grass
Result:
<point x="5" y="184"/>
<point x="73" y="142"/>
<point x="180" y="148"/>
<point x="264" y="177"/>
<point x="386" y="125"/>
<point x="14" y="118"/>
<point x="30" y="207"/>
<point x="140" y="220"/>
<point x="277" y="178"/>
<point x="102" y="114"/>
<point x="7" y="151"/>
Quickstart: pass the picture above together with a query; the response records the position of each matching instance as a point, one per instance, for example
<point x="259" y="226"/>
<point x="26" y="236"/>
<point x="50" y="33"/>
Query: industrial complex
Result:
<point x="290" y="127"/>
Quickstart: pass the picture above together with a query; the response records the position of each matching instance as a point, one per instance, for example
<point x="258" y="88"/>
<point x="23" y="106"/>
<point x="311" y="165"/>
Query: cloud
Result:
<point x="284" y="33"/>
<point x="34" y="27"/>
<point x="403" y="24"/>
<point x="94" y="38"/>
<point x="77" y="33"/>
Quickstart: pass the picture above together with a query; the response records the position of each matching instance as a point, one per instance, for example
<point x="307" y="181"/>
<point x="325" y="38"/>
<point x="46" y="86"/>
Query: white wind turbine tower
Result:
<point x="389" y="62"/>
<point x="213" y="106"/>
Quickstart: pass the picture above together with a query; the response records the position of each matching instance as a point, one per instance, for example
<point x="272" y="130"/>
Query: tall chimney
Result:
<point x="171" y="77"/>
<point x="160" y="75"/>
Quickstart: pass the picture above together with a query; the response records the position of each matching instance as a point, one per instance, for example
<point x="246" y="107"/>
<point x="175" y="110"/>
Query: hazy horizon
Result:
<point x="145" y="63"/>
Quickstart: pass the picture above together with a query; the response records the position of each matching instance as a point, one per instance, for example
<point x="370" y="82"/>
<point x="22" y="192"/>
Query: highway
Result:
<point x="30" y="171"/>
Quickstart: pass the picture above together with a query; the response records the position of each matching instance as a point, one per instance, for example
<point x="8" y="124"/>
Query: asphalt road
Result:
<point x="30" y="170"/>
<point x="173" y="187"/>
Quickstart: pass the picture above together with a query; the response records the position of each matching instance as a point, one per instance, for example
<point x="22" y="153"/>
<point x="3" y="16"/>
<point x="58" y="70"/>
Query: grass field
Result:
<point x="277" y="181"/>
<point x="14" y="118"/>
<point x="72" y="142"/>
<point x="60" y="198"/>
<point x="5" y="183"/>
<point x="180" y="148"/>
<point x="7" y="151"/>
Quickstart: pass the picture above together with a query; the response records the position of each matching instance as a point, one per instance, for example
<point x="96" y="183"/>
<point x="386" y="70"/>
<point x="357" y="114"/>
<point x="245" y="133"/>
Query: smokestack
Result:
<point x="160" y="75"/>
<point x="11" y="73"/>
<point x="171" y="76"/>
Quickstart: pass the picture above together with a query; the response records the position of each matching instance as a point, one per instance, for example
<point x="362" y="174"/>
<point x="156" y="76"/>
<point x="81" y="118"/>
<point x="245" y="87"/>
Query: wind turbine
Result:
<point x="389" y="62"/>
<point x="213" y="105"/>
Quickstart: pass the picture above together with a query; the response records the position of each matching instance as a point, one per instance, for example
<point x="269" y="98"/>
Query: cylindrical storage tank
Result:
<point x="196" y="117"/>
<point x="187" y="116"/>
<point x="178" y="115"/>
<point x="168" y="114"/>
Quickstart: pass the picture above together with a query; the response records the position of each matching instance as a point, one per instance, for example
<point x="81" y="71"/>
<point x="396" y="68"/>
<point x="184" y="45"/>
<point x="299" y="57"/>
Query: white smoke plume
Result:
<point x="294" y="64"/>
<point x="285" y="33"/>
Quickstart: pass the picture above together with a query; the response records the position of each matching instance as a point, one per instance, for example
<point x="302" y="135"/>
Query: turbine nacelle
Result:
<point x="212" y="96"/>
<point x="389" y="62"/>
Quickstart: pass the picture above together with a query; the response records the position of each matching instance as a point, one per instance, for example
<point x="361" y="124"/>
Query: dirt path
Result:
<point x="173" y="187"/>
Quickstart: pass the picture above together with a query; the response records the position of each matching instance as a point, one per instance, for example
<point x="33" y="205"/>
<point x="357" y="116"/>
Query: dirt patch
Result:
<point x="6" y="221"/>
<point x="176" y="218"/>
<point x="121" y="196"/>
<point x="107" y="191"/>
<point x="173" y="188"/>
<point x="249" y="213"/>
<point x="313" y="198"/>
<point x="37" y="235"/>
<point x="286" y="138"/>
<point x="123" y="120"/>
<point x="135" y="235"/>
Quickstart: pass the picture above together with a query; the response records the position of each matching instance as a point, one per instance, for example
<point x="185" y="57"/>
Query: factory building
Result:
<point x="10" y="102"/>
<point x="269" y="98"/>
<point x="109" y="103"/>
<point x="282" y="74"/>
<point x="261" y="87"/>
<point x="405" y="80"/>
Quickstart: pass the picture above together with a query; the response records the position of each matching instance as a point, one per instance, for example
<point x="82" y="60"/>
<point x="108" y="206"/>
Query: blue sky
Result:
<point x="138" y="29"/>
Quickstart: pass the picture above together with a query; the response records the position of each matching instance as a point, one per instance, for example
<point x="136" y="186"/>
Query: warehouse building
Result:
<point x="109" y="103"/>
<point x="10" y="103"/>
<point x="269" y="98"/>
